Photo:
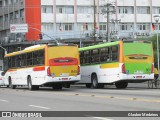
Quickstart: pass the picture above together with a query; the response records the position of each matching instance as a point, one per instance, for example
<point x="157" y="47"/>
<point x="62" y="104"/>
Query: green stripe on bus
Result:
<point x="99" y="46"/>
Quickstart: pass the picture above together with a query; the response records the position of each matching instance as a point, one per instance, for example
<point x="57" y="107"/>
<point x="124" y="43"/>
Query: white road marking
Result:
<point x="39" y="106"/>
<point x="101" y="118"/>
<point x="1" y="100"/>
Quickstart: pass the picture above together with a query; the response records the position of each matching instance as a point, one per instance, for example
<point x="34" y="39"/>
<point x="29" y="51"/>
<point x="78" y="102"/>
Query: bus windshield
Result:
<point x="138" y="58"/>
<point x="63" y="60"/>
<point x="137" y="49"/>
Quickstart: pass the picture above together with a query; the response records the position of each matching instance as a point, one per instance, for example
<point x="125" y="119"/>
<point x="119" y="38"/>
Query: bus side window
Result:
<point x="82" y="58"/>
<point x="114" y="53"/>
<point x="13" y="59"/>
<point x="87" y="57"/>
<point x="23" y="60"/>
<point x="104" y="55"/>
<point x="9" y="62"/>
<point x="18" y="60"/>
<point x="95" y="58"/>
<point x="29" y="58"/>
<point x="40" y="57"/>
<point x="35" y="58"/>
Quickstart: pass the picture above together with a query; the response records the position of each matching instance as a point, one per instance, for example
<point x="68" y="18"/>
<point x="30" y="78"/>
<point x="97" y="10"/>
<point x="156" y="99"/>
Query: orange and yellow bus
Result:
<point x="42" y="65"/>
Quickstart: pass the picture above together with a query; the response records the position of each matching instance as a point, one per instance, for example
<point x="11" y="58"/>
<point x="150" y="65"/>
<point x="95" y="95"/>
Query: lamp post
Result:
<point x="156" y="18"/>
<point x="45" y="34"/>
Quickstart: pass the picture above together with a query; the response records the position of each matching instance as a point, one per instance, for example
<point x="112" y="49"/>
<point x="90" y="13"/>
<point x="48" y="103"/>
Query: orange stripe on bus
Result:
<point x="11" y="70"/>
<point x="39" y="68"/>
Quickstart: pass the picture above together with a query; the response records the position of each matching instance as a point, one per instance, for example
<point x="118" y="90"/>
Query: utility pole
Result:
<point x="108" y="11"/>
<point x="94" y="30"/>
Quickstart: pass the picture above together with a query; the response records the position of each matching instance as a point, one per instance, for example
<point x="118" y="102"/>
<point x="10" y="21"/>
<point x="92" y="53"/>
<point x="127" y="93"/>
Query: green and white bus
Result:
<point x="118" y="63"/>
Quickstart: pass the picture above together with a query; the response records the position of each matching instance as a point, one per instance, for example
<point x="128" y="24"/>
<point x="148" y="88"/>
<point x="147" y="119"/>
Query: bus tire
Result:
<point x="121" y="85"/>
<point x="94" y="80"/>
<point x="13" y="86"/>
<point x="57" y="86"/>
<point x="67" y="85"/>
<point x="157" y="84"/>
<point x="88" y="85"/>
<point x="150" y="84"/>
<point x="30" y="86"/>
<point x="10" y="83"/>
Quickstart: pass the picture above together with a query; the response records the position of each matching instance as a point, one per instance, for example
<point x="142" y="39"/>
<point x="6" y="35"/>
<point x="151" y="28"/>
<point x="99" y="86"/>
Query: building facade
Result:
<point x="78" y="19"/>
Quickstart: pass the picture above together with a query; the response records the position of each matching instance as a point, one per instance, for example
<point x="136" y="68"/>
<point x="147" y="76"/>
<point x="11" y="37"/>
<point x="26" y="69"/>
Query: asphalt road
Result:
<point x="137" y="97"/>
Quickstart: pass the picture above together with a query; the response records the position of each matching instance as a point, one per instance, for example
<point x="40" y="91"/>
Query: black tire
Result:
<point x="67" y="85"/>
<point x="13" y="86"/>
<point x="10" y="83"/>
<point x="94" y="80"/>
<point x="157" y="84"/>
<point x="88" y="85"/>
<point x="100" y="85"/>
<point x="150" y="84"/>
<point x="30" y="86"/>
<point x="121" y="85"/>
<point x="57" y="86"/>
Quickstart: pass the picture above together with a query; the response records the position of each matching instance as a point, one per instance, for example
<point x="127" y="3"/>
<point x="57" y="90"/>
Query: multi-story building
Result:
<point x="77" y="19"/>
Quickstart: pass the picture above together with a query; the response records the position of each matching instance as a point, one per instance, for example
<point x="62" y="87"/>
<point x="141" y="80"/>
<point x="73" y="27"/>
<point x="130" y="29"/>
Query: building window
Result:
<point x="60" y="10"/>
<point x="47" y="27"/>
<point x="47" y="9"/>
<point x="143" y="10"/>
<point x="87" y="10"/>
<point x="68" y="27"/>
<point x="6" y="3"/>
<point x="126" y="26"/>
<point x="65" y="10"/>
<point x="16" y="15"/>
<point x="10" y="2"/>
<point x="1" y="19"/>
<point x="156" y="10"/>
<point x="103" y="27"/>
<point x="125" y="10"/>
<point x="143" y="26"/>
<point x="22" y="13"/>
<point x="6" y="18"/>
<point x="11" y="16"/>
<point x="69" y="10"/>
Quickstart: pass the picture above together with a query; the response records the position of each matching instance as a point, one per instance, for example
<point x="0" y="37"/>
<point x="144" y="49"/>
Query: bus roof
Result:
<point x="112" y="44"/>
<point x="99" y="46"/>
<point x="28" y="49"/>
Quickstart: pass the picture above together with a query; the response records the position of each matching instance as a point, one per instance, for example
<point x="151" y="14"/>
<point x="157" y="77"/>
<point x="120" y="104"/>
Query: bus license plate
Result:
<point x="139" y="77"/>
<point x="138" y="72"/>
<point x="64" y="78"/>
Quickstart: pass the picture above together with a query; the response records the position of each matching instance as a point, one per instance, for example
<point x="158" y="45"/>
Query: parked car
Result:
<point x="1" y="79"/>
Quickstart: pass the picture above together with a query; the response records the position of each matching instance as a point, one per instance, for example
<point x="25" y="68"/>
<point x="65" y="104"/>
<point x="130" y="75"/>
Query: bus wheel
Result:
<point x="67" y="85"/>
<point x="88" y="85"/>
<point x="150" y="84"/>
<point x="57" y="86"/>
<point x="30" y="86"/>
<point x="157" y="84"/>
<point x="121" y="85"/>
<point x="13" y="86"/>
<point x="10" y="83"/>
<point x="94" y="81"/>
